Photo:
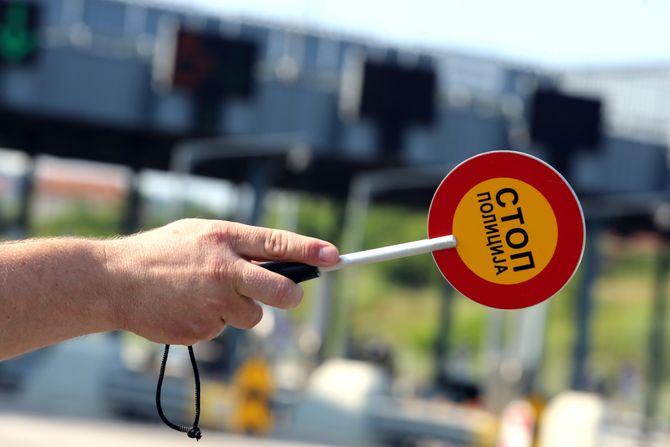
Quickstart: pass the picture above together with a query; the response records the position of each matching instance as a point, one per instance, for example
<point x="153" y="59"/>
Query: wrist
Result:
<point x="115" y="282"/>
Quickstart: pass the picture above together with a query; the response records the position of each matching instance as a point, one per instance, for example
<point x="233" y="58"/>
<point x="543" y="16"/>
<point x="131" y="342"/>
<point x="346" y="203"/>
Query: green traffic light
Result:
<point x="17" y="38"/>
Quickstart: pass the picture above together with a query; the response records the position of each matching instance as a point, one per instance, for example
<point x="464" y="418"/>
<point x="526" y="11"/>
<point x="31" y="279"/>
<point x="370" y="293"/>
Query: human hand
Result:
<point x="182" y="283"/>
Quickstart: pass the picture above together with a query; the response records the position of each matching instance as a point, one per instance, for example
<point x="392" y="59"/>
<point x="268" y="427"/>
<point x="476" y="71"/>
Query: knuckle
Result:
<point x="218" y="271"/>
<point x="216" y="232"/>
<point x="276" y="244"/>
<point x="225" y="272"/>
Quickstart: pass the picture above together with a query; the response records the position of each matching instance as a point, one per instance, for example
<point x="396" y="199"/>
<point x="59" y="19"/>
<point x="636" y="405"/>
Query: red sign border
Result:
<point x="563" y="200"/>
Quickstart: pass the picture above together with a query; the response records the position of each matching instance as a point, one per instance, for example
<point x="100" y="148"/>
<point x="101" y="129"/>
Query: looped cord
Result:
<point x="192" y="432"/>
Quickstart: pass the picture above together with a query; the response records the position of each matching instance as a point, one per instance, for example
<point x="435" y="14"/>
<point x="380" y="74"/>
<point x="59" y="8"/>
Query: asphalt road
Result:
<point x="21" y="430"/>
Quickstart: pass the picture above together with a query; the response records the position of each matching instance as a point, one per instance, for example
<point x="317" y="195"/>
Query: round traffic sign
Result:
<point x="518" y="225"/>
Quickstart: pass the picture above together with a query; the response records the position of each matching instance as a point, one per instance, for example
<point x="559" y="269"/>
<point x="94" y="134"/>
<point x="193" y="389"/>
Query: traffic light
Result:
<point x="19" y="40"/>
<point x="565" y="122"/>
<point x="395" y="93"/>
<point x="212" y="66"/>
<point x="391" y="95"/>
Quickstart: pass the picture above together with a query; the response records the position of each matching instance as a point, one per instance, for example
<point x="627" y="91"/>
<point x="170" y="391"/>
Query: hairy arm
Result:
<point x="177" y="284"/>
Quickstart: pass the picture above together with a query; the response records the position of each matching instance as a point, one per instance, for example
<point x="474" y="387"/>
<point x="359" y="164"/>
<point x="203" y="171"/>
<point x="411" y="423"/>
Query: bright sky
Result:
<point x="557" y="32"/>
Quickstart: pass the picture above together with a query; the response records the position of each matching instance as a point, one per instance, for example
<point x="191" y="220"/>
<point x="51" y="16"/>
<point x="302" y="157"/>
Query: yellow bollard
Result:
<point x="254" y="388"/>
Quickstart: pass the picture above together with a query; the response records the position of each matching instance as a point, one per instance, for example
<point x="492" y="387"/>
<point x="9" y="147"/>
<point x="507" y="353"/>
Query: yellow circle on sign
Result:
<point x="506" y="230"/>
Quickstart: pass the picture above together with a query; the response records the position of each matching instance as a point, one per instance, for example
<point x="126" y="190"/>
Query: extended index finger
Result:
<point x="265" y="244"/>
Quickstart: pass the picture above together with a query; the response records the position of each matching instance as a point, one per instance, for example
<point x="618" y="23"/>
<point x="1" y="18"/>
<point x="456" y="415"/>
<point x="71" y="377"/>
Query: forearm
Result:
<point x="52" y="290"/>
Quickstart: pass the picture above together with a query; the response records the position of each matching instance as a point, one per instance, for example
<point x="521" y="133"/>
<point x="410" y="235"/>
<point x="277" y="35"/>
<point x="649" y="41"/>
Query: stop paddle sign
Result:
<point x="518" y="225"/>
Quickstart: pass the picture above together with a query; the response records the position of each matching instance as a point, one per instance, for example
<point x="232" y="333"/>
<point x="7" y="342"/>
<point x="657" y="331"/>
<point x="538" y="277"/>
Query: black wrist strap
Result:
<point x="193" y="431"/>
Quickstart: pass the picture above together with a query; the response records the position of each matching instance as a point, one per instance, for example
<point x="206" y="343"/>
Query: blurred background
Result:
<point x="339" y="120"/>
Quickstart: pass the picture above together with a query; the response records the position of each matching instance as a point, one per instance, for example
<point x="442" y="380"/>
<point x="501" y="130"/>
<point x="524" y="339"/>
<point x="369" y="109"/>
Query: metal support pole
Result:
<point x="529" y="344"/>
<point x="584" y="307"/>
<point x="657" y="331"/>
<point x="443" y="338"/>
<point x="497" y="393"/>
<point x="206" y="115"/>
<point x="261" y="177"/>
<point x="130" y="221"/>
<point x="21" y="225"/>
<point x="324" y="325"/>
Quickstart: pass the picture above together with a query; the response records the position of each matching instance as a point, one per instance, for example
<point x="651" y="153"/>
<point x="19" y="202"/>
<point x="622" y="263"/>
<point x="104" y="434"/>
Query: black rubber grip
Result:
<point x="295" y="271"/>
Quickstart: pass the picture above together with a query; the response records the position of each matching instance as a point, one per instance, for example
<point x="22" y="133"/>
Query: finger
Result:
<point x="279" y="245"/>
<point x="268" y="287"/>
<point x="242" y="313"/>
